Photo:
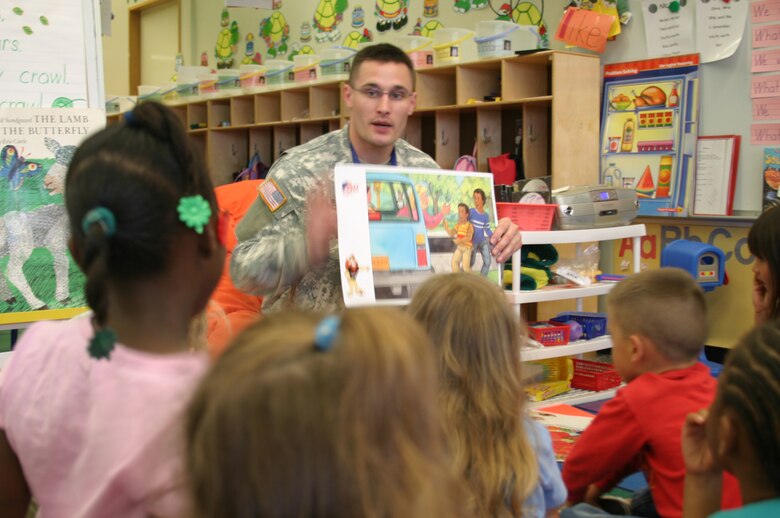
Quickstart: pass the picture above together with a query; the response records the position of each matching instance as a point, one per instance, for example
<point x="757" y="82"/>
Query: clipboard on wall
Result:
<point x="717" y="157"/>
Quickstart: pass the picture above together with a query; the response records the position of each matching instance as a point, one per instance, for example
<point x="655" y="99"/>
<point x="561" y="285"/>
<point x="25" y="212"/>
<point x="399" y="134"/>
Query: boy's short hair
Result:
<point x="665" y="306"/>
<point x="384" y="53"/>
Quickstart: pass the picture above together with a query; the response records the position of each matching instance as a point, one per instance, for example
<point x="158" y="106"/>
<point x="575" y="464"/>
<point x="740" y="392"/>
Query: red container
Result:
<point x="547" y="333"/>
<point x="528" y="216"/>
<point x="590" y="375"/>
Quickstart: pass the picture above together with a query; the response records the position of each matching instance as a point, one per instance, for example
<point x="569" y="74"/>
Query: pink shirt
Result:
<point x="96" y="438"/>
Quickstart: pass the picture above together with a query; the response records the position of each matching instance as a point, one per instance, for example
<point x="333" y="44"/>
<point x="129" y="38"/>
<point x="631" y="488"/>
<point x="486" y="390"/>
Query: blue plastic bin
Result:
<point x="593" y="324"/>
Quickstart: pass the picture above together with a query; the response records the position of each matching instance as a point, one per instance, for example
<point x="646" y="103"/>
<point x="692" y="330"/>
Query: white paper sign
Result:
<point x="42" y="54"/>
<point x="719" y="28"/>
<point x="668" y="33"/>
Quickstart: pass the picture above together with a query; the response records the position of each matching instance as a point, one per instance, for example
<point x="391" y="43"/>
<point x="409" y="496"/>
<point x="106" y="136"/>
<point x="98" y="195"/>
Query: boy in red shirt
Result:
<point x="658" y="324"/>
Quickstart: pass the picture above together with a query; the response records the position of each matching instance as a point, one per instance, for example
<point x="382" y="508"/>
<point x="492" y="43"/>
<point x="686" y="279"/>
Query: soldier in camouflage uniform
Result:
<point x="287" y="249"/>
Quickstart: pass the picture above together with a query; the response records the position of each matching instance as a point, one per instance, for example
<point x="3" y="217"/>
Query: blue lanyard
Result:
<point x="356" y="160"/>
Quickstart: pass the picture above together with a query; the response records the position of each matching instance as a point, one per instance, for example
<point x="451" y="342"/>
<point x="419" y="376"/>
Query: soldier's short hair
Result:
<point x="384" y="53"/>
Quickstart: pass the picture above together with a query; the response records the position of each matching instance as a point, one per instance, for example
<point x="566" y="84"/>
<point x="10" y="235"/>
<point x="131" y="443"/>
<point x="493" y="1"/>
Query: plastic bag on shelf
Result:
<point x="580" y="270"/>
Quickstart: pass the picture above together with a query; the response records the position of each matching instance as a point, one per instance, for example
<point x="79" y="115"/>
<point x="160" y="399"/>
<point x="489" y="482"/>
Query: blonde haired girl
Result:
<point x="313" y="417"/>
<point x="477" y="341"/>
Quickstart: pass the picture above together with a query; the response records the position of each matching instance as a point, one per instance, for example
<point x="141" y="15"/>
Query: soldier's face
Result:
<point x="377" y="121"/>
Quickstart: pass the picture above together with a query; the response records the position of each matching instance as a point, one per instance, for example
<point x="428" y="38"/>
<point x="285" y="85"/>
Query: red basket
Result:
<point x="590" y="375"/>
<point x="547" y="333"/>
<point x="528" y="216"/>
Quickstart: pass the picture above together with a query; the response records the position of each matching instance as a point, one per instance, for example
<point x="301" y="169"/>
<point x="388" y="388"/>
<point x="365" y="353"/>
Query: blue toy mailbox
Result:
<point x="706" y="263"/>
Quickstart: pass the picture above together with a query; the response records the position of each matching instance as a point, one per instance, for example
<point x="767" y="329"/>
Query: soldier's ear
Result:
<point x="347" y="94"/>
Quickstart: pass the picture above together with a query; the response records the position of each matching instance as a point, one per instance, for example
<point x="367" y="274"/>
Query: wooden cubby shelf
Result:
<point x="537" y="110"/>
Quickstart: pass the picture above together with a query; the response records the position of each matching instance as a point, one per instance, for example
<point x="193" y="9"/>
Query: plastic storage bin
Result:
<point x="549" y="333"/>
<point x="251" y="76"/>
<point x="593" y="324"/>
<point x="207" y="84"/>
<point x="590" y="375"/>
<point x="278" y="71"/>
<point x="149" y="93"/>
<point x="495" y="38"/>
<point x="453" y="45"/>
<point x="228" y="79"/>
<point x="306" y="67"/>
<point x="528" y="216"/>
<point x="418" y="48"/>
<point x="336" y="62"/>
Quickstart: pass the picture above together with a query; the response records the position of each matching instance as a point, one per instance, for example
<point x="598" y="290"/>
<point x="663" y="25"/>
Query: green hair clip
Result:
<point x="194" y="211"/>
<point x="101" y="344"/>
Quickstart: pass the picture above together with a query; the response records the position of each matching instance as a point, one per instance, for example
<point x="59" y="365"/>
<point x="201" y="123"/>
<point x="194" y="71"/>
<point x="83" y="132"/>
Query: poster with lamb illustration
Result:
<point x="39" y="279"/>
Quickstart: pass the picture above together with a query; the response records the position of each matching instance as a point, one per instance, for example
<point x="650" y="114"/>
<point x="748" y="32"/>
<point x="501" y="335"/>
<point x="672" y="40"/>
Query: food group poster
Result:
<point x="398" y="226"/>
<point x="39" y="278"/>
<point x="649" y="130"/>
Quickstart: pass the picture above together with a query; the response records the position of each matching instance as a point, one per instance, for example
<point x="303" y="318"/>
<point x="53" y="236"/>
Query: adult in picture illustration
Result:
<point x="287" y="249"/>
<point x="482" y="233"/>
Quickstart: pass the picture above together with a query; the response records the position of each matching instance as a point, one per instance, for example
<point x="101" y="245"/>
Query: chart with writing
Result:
<point x="43" y="62"/>
<point x="764" y="65"/>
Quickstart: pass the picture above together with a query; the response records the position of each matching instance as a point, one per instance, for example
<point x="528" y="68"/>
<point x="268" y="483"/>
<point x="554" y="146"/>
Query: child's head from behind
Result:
<point x="305" y="416"/>
<point x="764" y="244"/>
<point x="477" y="340"/>
<point x="656" y="318"/>
<point x="743" y="428"/>
<point x="123" y="188"/>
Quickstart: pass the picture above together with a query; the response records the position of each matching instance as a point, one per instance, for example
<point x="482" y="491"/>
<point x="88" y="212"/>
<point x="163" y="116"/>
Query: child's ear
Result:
<point x="728" y="435"/>
<point x="637" y="348"/>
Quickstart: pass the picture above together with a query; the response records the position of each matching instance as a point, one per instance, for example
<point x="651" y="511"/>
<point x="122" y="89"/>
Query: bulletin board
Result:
<point x="725" y="101"/>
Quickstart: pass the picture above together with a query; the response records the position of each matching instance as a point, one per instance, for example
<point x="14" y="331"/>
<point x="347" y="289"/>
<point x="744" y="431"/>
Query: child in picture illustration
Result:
<point x="352" y="268"/>
<point x="89" y="407"/>
<point x="305" y="415"/>
<point x="505" y="457"/>
<point x="462" y="234"/>
<point x="764" y="243"/>
<point x="739" y="432"/>
<point x="658" y="322"/>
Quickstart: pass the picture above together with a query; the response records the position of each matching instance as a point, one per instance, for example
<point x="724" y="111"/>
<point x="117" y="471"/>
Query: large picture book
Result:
<point x="398" y="226"/>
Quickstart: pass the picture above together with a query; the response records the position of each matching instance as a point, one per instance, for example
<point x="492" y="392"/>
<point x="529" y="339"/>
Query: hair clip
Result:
<point x="194" y="212"/>
<point x="130" y="118"/>
<point x="101" y="344"/>
<point x="325" y="332"/>
<point x="103" y="217"/>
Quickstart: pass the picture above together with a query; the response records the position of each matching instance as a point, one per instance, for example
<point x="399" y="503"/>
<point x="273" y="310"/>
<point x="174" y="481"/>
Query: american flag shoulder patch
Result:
<point x="271" y="195"/>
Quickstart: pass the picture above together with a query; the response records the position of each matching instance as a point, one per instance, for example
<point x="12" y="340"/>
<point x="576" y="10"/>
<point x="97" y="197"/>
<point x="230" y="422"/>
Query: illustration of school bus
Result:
<point x="400" y="253"/>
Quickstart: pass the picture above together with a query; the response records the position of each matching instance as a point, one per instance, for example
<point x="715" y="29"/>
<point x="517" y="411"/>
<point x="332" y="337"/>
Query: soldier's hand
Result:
<point x="321" y="226"/>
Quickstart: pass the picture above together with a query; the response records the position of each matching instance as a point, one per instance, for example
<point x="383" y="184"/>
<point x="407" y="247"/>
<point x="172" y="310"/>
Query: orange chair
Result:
<point x="231" y="310"/>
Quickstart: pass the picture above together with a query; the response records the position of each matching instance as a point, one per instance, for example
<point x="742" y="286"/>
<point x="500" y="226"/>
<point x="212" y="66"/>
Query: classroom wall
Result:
<point x="115" y="52"/>
<point x="725" y="97"/>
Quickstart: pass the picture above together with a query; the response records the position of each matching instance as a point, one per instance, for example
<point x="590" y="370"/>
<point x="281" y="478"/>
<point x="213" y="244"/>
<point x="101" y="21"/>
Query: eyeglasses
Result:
<point x="374" y="93"/>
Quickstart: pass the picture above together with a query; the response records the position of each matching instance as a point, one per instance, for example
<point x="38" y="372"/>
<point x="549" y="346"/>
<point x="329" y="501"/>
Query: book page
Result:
<point x="714" y="158"/>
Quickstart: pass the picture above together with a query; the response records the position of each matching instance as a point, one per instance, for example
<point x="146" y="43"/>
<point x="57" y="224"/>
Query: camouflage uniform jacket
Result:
<point x="270" y="258"/>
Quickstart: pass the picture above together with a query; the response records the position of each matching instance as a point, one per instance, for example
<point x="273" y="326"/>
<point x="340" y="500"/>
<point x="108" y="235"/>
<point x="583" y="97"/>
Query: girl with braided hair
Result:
<point x="88" y="407"/>
<point x="740" y="433"/>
